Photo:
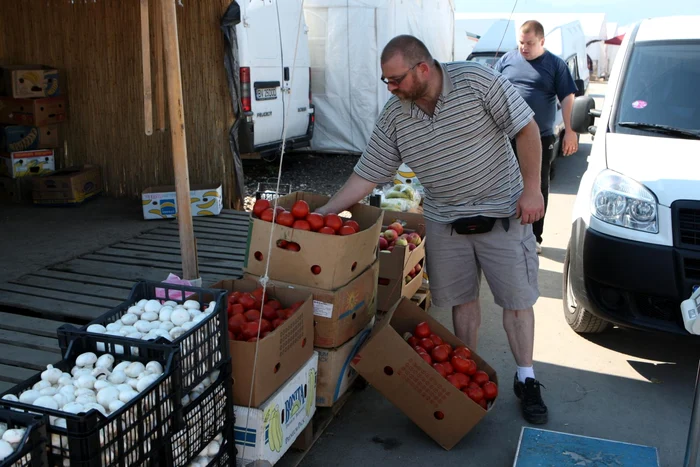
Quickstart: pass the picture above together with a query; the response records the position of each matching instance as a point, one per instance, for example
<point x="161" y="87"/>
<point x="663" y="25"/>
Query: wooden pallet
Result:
<point x="81" y="289"/>
<point x="422" y="298"/>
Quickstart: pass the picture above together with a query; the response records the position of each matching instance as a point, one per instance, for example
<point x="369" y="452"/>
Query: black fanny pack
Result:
<point x="477" y="225"/>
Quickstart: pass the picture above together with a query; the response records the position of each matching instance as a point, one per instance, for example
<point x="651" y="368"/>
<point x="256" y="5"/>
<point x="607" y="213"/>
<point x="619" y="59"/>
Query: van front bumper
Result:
<point x="631" y="284"/>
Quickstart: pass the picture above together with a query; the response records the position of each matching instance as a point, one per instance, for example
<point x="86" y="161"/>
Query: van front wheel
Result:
<point x="580" y="320"/>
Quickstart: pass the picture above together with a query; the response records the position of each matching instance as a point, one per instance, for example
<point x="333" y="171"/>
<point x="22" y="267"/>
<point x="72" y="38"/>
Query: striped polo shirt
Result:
<point x="462" y="154"/>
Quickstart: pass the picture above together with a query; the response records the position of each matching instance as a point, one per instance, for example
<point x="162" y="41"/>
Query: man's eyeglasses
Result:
<point x="396" y="81"/>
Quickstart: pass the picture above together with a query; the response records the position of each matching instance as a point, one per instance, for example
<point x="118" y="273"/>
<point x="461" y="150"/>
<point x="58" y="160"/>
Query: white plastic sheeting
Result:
<point x="346" y="38"/>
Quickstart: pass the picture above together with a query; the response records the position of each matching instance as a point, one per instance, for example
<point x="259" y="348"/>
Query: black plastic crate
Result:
<point x="227" y="453"/>
<point x="268" y="190"/>
<point x="31" y="450"/>
<point x="202" y="347"/>
<point x="132" y="435"/>
<point x="203" y="418"/>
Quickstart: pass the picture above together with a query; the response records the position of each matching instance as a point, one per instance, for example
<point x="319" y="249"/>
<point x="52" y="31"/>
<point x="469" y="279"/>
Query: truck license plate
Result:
<point x="264" y="94"/>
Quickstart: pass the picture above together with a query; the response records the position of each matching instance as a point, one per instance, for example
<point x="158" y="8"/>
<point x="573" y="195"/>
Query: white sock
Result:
<point x="525" y="372"/>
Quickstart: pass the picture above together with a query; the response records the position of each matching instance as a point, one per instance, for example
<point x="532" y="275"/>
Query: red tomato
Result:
<point x="460" y="364"/>
<point x="463" y="351"/>
<point x="278" y="322"/>
<point x="235" y="323"/>
<point x="354" y="225"/>
<point x="346" y="230"/>
<point x="252" y="339"/>
<point x="422" y="330"/>
<point x="420" y="350"/>
<point x="472" y="367"/>
<point x="483" y="404"/>
<point x="274" y="304"/>
<point x="300" y="209"/>
<point x="258" y="294"/>
<point x="301" y="224"/>
<point x="237" y="309"/>
<point x="285" y="218"/>
<point x="316" y="269"/>
<point x="439" y="353"/>
<point x="480" y="377"/>
<point x="326" y="230"/>
<point x="427" y="344"/>
<point x="448" y="368"/>
<point x="413" y="341"/>
<point x="475" y="394"/>
<point x="267" y="214"/>
<point x="265" y="326"/>
<point x="231" y="336"/>
<point x="427" y="358"/>
<point x="454" y="381"/>
<point x="439" y="368"/>
<point x="282" y="243"/>
<point x="435" y="338"/>
<point x="269" y="313"/>
<point x="247" y="301"/>
<point x="334" y="222"/>
<point x="259" y="206"/>
<point x="315" y="220"/>
<point x="249" y="329"/>
<point x="233" y="297"/>
<point x="264" y="334"/>
<point x="296" y="305"/>
<point x="472" y="384"/>
<point x="462" y="379"/>
<point x="293" y="246"/>
<point x="490" y="390"/>
<point x="252" y="315"/>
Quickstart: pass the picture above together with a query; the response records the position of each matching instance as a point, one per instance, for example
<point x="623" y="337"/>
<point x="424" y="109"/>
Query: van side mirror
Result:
<point x="580" y="87"/>
<point x="582" y="115"/>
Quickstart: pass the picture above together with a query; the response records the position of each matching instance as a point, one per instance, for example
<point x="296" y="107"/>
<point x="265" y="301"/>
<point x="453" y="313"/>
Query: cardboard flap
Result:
<point x="379" y="325"/>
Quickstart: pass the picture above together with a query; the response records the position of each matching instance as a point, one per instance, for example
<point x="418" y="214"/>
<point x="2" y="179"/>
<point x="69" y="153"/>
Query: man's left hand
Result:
<point x="530" y="207"/>
<point x="570" y="143"/>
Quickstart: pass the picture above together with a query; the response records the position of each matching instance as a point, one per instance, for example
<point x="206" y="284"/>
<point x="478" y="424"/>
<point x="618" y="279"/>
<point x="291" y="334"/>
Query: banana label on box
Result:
<point x="161" y="204"/>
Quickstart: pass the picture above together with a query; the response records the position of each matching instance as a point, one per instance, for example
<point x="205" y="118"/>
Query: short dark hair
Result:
<point x="410" y="47"/>
<point x="533" y="26"/>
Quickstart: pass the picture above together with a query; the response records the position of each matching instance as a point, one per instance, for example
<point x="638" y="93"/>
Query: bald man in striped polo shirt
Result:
<point x="452" y="124"/>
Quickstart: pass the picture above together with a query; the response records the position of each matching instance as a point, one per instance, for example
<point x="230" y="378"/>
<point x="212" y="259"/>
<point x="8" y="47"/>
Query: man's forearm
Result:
<point x="567" y="107"/>
<point x="354" y="190"/>
<point x="529" y="148"/>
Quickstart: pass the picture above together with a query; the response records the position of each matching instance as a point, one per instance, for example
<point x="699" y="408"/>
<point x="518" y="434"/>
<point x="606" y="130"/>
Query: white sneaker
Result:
<point x="538" y="248"/>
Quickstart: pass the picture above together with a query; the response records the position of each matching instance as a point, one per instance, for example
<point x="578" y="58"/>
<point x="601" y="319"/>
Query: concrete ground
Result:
<point x="32" y="237"/>
<point x="624" y="385"/>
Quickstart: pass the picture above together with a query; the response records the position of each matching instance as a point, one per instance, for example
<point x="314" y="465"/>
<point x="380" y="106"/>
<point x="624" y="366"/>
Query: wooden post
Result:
<point x="146" y="63"/>
<point x="160" y="71"/>
<point x="188" y="251"/>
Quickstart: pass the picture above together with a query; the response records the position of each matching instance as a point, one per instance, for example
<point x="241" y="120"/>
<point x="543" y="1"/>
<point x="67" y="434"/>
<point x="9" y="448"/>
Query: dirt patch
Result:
<point x="318" y="173"/>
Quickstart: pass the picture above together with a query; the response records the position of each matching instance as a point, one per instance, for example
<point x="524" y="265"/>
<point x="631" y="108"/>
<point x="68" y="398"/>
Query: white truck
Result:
<point x="634" y="252"/>
<point x="274" y="81"/>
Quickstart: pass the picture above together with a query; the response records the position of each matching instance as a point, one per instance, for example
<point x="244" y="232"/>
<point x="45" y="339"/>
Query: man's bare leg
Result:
<point x="466" y="319"/>
<point x="520" y="329"/>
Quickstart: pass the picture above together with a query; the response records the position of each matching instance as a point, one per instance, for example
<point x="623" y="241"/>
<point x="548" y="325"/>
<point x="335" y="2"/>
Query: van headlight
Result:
<point x="619" y="200"/>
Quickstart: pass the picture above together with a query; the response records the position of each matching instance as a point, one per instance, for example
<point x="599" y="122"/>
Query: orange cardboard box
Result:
<point x="280" y="354"/>
<point x="340" y="258"/>
<point x="389" y="364"/>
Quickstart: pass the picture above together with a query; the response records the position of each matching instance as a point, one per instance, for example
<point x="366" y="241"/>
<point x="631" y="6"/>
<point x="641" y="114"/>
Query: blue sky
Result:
<point x="620" y="11"/>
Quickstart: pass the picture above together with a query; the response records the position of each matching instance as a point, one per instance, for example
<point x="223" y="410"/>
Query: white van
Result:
<point x="270" y="75"/>
<point x="567" y="42"/>
<point x="634" y="252"/>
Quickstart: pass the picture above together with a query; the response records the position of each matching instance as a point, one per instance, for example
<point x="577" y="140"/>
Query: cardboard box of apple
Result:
<point x="395" y="235"/>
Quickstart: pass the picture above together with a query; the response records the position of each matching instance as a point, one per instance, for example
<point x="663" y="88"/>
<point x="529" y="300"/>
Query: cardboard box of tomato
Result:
<point x="282" y="349"/>
<point x="309" y="249"/>
<point x="408" y="379"/>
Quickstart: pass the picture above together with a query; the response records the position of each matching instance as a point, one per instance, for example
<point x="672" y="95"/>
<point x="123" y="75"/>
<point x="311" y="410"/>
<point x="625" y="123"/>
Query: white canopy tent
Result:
<point x="346" y="38"/>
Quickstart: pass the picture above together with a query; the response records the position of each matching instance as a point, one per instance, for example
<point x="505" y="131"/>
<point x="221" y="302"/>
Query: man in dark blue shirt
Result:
<point x="541" y="78"/>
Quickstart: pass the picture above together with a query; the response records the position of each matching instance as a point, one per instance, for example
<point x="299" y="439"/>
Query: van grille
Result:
<point x="689" y="226"/>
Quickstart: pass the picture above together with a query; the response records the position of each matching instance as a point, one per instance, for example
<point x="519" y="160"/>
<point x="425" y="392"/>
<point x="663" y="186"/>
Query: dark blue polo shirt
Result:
<point x="540" y="82"/>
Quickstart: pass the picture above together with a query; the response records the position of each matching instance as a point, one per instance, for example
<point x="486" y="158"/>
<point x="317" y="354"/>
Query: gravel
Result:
<point x="313" y="172"/>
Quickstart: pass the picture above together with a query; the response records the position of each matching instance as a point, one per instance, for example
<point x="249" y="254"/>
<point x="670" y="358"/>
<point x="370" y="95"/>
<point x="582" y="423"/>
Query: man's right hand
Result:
<point x="323" y="210"/>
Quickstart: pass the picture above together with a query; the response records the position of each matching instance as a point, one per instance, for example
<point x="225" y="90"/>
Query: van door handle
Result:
<point x="286" y="73"/>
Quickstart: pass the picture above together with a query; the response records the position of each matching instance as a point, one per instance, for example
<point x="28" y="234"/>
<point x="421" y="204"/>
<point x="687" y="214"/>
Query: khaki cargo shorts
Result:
<point x="508" y="259"/>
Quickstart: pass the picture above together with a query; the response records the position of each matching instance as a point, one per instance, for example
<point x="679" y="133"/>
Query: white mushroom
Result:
<point x="166" y="325"/>
<point x="46" y="402"/>
<point x="73" y="407"/>
<point x="150" y="316"/>
<point x="41" y="385"/>
<point x="135" y="369"/>
<point x="176" y="332"/>
<point x="116" y="405"/>
<point x="28" y="397"/>
<point x="117" y="377"/>
<point x="152" y="306"/>
<point x="67" y="389"/>
<point x="135" y="310"/>
<point x="96" y="328"/>
<point x="107" y="395"/>
<point x="126" y="396"/>
<point x="179" y="317"/>
<point x="121" y="366"/>
<point x="146" y="381"/>
<point x="105" y="361"/>
<point x="191" y="304"/>
<point x="85" y="359"/>
<point x="5" y="449"/>
<point x="129" y="319"/>
<point x="116" y="326"/>
<point x="86" y="399"/>
<point x="164" y="313"/>
<point x="143" y="326"/>
<point x="51" y="374"/>
<point x="101" y="384"/>
<point x="154" y="367"/>
<point x="10" y="397"/>
<point x="50" y="391"/>
<point x="86" y="381"/>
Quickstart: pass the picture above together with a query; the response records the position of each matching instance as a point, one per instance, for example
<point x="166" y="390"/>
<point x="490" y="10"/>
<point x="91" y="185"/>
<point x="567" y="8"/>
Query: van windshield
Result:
<point x="660" y="94"/>
<point x="489" y="59"/>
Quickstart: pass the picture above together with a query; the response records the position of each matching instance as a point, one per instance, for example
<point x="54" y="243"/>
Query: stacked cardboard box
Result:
<point x="32" y="107"/>
<point x="401" y="271"/>
<point x="341" y="274"/>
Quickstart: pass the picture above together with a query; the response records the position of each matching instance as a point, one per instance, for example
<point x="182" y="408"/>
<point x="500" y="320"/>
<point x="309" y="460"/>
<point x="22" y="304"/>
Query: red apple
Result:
<point x="390" y="235"/>
<point x="383" y="243"/>
<point x="411" y="246"/>
<point x="414" y="238"/>
<point x="402" y="242"/>
<point x="397" y="227"/>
